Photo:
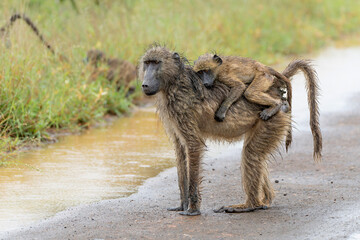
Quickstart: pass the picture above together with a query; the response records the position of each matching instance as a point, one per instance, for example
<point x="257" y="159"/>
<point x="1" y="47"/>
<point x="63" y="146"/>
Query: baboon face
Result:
<point x="206" y="66"/>
<point x="158" y="68"/>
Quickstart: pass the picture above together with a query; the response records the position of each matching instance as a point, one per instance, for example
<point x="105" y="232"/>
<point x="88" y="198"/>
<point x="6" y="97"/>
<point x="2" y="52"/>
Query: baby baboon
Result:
<point x="188" y="121"/>
<point x="243" y="76"/>
<point x="119" y="71"/>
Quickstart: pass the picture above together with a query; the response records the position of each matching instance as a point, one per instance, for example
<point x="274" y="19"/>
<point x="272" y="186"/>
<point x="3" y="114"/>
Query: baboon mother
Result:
<point x="186" y="110"/>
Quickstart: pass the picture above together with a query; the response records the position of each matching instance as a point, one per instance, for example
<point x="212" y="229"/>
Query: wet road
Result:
<point x="314" y="201"/>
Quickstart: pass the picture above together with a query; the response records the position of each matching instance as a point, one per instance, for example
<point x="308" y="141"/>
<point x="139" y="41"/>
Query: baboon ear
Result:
<point x="217" y="59"/>
<point x="176" y="56"/>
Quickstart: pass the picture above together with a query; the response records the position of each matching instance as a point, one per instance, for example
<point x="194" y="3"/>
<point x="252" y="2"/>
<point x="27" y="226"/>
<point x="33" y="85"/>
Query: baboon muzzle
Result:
<point x="150" y="85"/>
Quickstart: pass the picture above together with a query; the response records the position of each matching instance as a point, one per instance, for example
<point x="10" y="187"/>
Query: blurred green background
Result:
<point x="39" y="92"/>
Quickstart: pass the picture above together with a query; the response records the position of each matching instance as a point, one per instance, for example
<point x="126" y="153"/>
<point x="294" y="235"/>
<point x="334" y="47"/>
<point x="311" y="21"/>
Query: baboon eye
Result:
<point x="147" y="62"/>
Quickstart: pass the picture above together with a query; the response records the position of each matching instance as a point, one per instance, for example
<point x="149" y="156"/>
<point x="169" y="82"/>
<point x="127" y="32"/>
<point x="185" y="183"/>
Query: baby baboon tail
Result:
<point x="312" y="89"/>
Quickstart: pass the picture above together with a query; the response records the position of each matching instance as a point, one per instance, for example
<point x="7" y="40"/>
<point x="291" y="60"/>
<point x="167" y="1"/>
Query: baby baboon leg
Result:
<point x="182" y="176"/>
<point x="194" y="152"/>
<point x="235" y="93"/>
<point x="256" y="93"/>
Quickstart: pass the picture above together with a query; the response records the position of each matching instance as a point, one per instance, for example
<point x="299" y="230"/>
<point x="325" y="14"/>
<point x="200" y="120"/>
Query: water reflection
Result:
<point x="100" y="164"/>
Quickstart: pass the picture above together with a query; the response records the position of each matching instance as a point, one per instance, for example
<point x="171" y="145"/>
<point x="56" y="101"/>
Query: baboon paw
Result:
<point x="177" y="209"/>
<point x="190" y="213"/>
<point x="265" y="115"/>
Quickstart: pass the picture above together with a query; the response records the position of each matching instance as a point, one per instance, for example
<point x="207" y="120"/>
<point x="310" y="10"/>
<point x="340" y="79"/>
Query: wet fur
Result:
<point x="188" y="121"/>
<point x="312" y="89"/>
<point x="244" y="76"/>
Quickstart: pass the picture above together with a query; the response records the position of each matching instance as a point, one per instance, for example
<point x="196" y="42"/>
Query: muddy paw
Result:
<point x="190" y="213"/>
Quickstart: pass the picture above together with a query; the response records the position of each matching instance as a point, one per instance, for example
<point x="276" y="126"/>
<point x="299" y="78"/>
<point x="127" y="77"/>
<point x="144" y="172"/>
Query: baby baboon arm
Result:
<point x="235" y="93"/>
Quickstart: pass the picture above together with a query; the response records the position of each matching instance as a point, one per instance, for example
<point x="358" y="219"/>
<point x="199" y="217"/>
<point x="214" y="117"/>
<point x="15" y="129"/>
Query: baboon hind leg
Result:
<point x="257" y="93"/>
<point x="267" y="189"/>
<point x="259" y="143"/>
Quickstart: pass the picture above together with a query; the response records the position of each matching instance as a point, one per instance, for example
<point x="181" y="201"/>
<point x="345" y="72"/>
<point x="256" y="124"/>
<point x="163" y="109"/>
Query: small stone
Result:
<point x="276" y="181"/>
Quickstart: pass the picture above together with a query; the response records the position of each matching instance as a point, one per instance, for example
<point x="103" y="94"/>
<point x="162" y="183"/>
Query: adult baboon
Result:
<point x="119" y="71"/>
<point x="246" y="77"/>
<point x="188" y="121"/>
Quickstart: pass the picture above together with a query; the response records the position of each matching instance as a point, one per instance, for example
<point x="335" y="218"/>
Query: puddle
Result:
<point x="112" y="162"/>
<point x="100" y="164"/>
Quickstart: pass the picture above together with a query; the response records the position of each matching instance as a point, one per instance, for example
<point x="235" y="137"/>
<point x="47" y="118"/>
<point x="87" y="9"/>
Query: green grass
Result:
<point x="39" y="92"/>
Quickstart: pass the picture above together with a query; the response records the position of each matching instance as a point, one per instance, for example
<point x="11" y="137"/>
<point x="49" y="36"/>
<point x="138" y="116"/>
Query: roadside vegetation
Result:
<point x="39" y="93"/>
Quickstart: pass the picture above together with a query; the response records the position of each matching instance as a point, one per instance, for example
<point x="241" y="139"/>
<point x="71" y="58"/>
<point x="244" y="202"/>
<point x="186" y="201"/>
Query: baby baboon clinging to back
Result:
<point x="244" y="76"/>
<point x="188" y="121"/>
<point x="119" y="71"/>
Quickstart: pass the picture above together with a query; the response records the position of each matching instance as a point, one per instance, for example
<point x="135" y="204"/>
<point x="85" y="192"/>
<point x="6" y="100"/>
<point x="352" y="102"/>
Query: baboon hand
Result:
<point x="219" y="115"/>
<point x="266" y="114"/>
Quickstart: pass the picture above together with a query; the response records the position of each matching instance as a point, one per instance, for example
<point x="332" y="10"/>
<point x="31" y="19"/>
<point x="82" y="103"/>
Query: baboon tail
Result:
<point x="5" y="29"/>
<point x="312" y="89"/>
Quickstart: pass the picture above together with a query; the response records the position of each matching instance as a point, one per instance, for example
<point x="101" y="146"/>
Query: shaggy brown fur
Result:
<point x="188" y="121"/>
<point x="119" y="71"/>
<point x="312" y="89"/>
<point x="243" y="76"/>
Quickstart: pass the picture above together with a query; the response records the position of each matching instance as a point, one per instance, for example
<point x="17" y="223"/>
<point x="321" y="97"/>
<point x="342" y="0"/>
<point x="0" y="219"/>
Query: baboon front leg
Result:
<point x="194" y="153"/>
<point x="182" y="176"/>
<point x="235" y="93"/>
<point x="256" y="93"/>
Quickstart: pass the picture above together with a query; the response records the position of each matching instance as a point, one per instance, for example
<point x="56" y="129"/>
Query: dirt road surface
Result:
<point x="313" y="201"/>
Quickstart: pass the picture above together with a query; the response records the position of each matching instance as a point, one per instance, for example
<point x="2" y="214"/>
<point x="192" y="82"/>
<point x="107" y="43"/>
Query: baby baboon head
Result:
<point x="94" y="56"/>
<point x="158" y="68"/>
<point x="206" y="67"/>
